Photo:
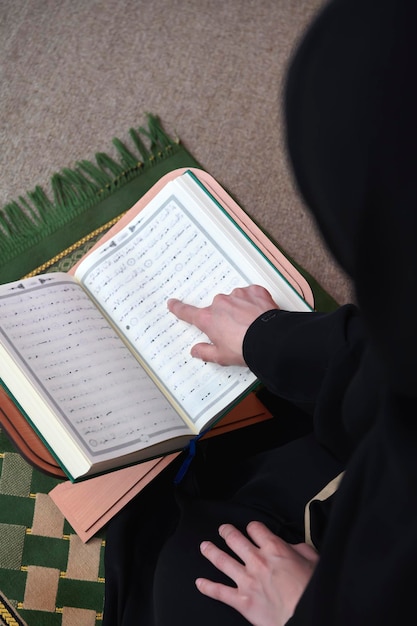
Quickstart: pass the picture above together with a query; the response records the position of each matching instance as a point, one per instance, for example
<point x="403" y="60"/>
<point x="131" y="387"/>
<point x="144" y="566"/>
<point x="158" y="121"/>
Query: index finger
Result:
<point x="185" y="312"/>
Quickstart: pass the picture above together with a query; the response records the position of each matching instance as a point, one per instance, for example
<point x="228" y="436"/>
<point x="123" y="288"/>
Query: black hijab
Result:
<point x="351" y="111"/>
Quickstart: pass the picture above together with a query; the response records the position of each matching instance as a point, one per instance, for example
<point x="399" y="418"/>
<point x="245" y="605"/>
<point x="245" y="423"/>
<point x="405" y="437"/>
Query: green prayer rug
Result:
<point x="47" y="574"/>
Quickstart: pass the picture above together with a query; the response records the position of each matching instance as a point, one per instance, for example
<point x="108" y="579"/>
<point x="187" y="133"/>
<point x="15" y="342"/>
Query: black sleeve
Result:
<point x="310" y="359"/>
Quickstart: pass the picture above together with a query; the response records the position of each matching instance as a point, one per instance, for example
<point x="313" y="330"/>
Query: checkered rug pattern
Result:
<point x="47" y="574"/>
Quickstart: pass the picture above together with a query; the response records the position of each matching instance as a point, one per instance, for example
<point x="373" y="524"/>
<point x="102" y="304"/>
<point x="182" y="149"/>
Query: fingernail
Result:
<point x="203" y="545"/>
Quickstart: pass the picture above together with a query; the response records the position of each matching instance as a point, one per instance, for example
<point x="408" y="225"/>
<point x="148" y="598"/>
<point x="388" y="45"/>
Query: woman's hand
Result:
<point x="271" y="579"/>
<point x="225" y="322"/>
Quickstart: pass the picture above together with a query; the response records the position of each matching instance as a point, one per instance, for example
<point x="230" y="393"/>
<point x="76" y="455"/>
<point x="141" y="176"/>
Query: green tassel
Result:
<point x="157" y="133"/>
<point x="12" y="219"/>
<point x="102" y="179"/>
<point x="108" y="164"/>
<point x="65" y="192"/>
<point x="40" y="201"/>
<point x="86" y="188"/>
<point x="140" y="146"/>
<point x="128" y="159"/>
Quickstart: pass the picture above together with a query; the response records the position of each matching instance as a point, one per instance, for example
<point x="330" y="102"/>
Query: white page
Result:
<point x="232" y="238"/>
<point x="82" y="368"/>
<point x="164" y="253"/>
<point x="170" y="250"/>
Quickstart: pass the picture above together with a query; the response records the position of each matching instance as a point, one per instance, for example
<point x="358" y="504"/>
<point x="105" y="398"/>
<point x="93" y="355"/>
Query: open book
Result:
<point x="96" y="362"/>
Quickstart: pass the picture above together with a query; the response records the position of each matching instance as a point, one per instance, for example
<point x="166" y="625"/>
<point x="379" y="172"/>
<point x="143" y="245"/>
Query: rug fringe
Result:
<point x="76" y="190"/>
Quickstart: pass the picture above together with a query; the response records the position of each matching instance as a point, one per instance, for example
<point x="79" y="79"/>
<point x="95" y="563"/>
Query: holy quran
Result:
<point x="96" y="362"/>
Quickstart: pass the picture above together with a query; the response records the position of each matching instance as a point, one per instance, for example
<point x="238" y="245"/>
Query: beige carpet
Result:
<point x="75" y="73"/>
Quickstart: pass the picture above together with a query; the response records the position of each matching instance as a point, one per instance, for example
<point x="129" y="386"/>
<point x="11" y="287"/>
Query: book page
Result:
<point x="165" y="252"/>
<point x="79" y="365"/>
